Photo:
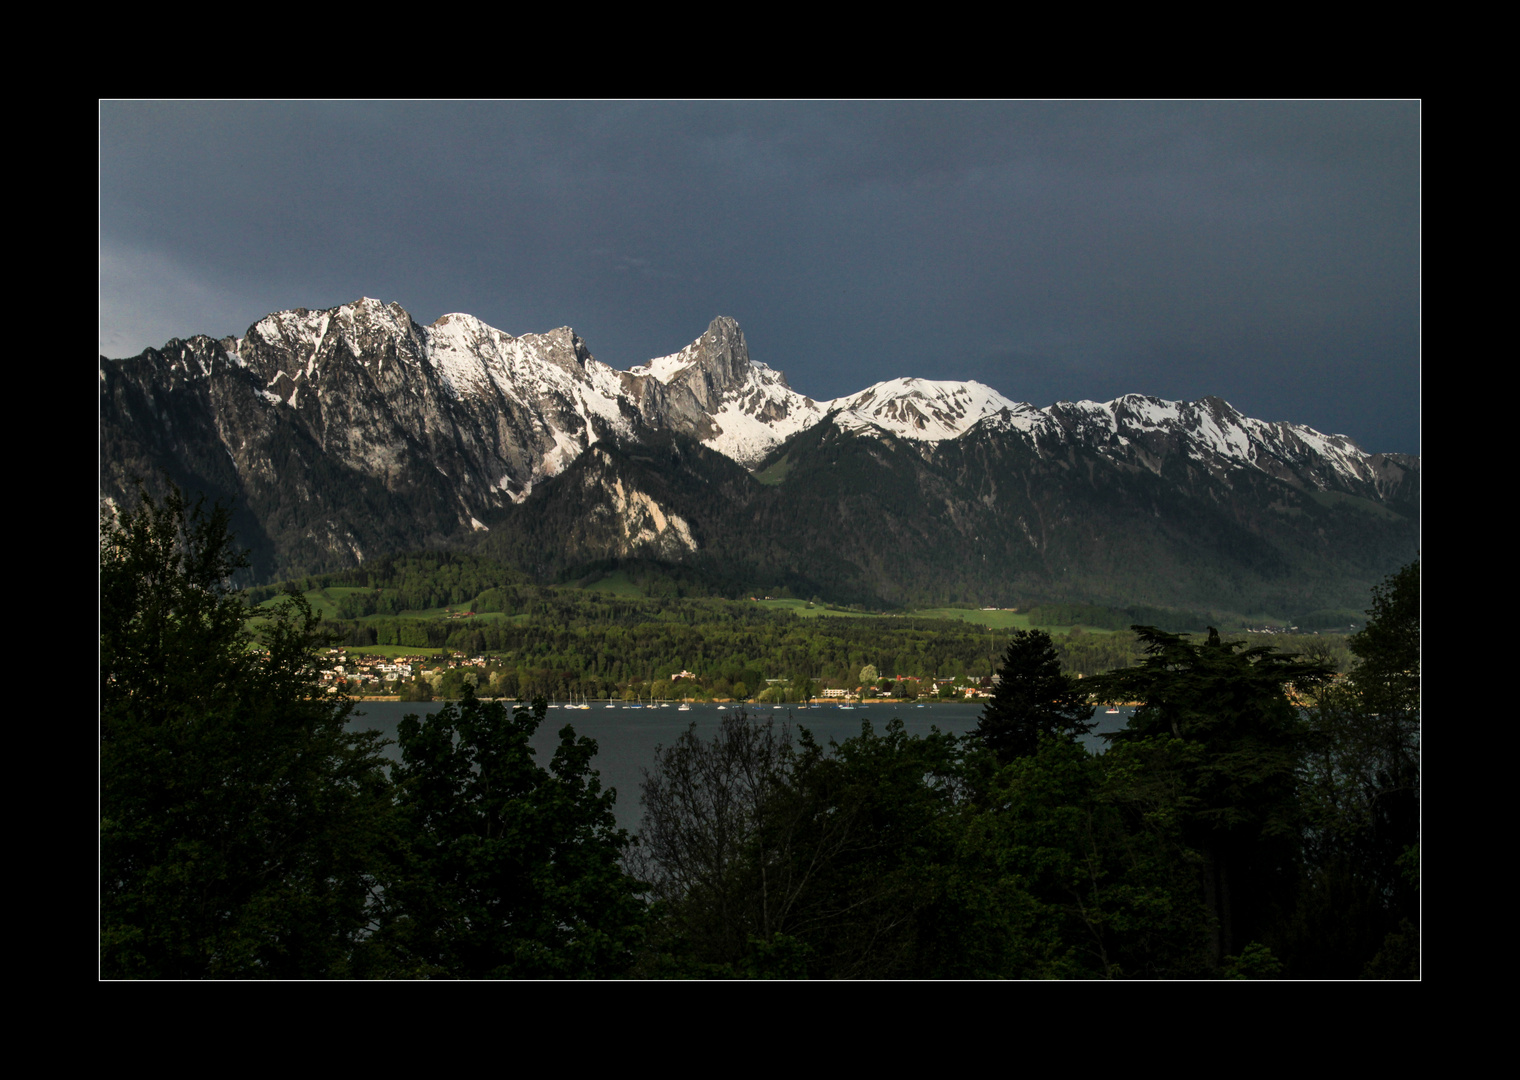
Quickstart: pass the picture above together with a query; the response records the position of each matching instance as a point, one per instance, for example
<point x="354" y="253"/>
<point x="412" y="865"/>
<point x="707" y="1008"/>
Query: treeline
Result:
<point x="1107" y="618"/>
<point x="403" y="583"/>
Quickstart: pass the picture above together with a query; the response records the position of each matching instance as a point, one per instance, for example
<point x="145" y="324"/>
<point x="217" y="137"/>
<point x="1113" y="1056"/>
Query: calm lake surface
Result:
<point x="626" y="738"/>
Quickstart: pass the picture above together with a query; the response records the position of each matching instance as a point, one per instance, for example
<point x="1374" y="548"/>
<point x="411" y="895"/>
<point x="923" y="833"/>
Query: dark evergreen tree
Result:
<point x="1388" y="680"/>
<point x="1388" y="648"/>
<point x="1033" y="697"/>
<point x="1232" y="702"/>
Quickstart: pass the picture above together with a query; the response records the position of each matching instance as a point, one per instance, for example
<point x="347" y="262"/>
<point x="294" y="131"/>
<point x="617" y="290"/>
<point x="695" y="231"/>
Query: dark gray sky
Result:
<point x="1266" y="252"/>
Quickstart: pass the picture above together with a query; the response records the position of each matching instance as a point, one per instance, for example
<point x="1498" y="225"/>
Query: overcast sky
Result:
<point x="1265" y="252"/>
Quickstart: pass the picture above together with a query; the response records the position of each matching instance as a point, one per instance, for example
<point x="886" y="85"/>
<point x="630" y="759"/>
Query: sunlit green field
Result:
<point x="996" y="620"/>
<point x="999" y="620"/>
<point x="801" y="607"/>
<point x="617" y="583"/>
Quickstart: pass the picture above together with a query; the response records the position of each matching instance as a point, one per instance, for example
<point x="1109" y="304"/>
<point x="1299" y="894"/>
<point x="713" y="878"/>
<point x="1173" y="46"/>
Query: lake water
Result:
<point x="626" y="738"/>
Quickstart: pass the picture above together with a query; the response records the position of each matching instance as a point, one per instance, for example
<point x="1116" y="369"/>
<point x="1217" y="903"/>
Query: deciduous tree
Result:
<point x="708" y="841"/>
<point x="512" y="870"/>
<point x="241" y="825"/>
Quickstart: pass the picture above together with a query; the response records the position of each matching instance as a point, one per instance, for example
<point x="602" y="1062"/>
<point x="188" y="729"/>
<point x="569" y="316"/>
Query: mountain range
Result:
<point x="344" y="435"/>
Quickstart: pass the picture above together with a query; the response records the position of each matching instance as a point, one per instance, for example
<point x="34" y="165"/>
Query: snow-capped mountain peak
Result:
<point x="923" y="409"/>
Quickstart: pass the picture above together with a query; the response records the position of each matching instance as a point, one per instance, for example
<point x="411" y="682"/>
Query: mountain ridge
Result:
<point x="354" y="430"/>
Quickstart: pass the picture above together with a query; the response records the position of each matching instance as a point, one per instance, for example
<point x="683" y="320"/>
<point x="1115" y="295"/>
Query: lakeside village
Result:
<point x="424" y="678"/>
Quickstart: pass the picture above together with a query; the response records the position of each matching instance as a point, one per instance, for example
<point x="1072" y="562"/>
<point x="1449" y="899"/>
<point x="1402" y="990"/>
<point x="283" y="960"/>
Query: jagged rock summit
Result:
<point x="712" y="391"/>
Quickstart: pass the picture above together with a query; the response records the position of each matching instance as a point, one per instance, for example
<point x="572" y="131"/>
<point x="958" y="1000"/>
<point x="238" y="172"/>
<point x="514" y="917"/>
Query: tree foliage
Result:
<point x="1388" y="648"/>
<point x="1256" y="819"/>
<point x="1361" y="785"/>
<point x="240" y="822"/>
<point x="1076" y="865"/>
<point x="511" y="870"/>
<point x="896" y="856"/>
<point x="708" y="836"/>
<point x="1233" y="703"/>
<point x="246" y="833"/>
<point x="870" y="826"/>
<point x="1033" y="698"/>
<point x="775" y="859"/>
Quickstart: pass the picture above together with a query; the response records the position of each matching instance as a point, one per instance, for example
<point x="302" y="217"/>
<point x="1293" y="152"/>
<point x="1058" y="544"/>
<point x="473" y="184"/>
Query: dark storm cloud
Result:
<point x="1264" y="252"/>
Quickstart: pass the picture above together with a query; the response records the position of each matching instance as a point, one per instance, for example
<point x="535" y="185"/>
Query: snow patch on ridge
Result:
<point x="666" y="368"/>
<point x="759" y="415"/>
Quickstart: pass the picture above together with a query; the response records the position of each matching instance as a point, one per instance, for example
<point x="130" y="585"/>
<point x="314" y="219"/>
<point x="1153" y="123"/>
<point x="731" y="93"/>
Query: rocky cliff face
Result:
<point x="345" y="433"/>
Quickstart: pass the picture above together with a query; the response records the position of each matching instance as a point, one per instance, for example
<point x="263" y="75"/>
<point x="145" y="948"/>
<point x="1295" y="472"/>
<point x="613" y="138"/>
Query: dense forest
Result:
<point x="1258" y="818"/>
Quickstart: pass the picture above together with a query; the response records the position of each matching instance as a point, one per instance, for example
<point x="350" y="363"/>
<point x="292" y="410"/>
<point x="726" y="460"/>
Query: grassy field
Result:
<point x="1000" y="620"/>
<point x="776" y="472"/>
<point x="996" y="620"/>
<point x="617" y="583"/>
<point x="324" y="602"/>
<point x="801" y="607"/>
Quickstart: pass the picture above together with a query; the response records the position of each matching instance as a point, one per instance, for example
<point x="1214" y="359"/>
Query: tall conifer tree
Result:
<point x="1033" y="697"/>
